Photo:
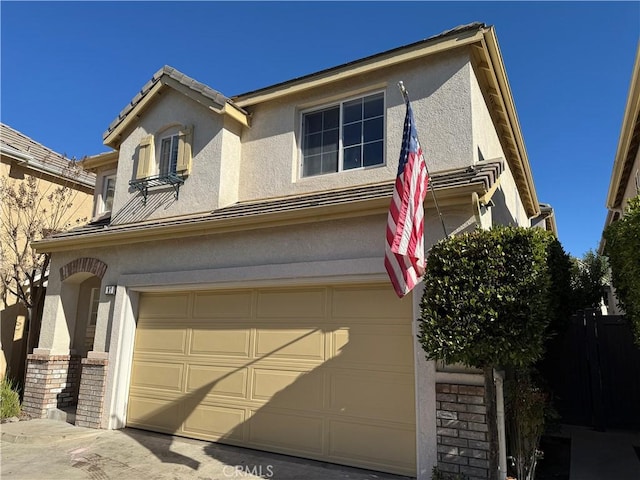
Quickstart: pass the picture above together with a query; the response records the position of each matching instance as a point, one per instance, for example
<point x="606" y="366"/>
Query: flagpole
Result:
<point x="405" y="95"/>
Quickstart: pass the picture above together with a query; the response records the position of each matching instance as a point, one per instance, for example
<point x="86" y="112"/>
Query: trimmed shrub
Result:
<point x="491" y="299"/>
<point x="622" y="247"/>
<point x="488" y="297"/>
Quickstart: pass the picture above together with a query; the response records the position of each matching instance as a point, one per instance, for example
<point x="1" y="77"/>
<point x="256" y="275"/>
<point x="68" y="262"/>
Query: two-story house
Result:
<point x="31" y="170"/>
<point x="238" y="246"/>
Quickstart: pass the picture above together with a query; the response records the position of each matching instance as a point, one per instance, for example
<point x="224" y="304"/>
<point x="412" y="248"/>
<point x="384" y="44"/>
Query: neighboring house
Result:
<point x="625" y="176"/>
<point x="22" y="158"/>
<point x="236" y="268"/>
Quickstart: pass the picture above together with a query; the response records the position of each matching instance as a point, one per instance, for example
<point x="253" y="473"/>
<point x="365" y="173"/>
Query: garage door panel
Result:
<point x="372" y="304"/>
<point x="157" y="414"/>
<point x="354" y="347"/>
<point x="161" y="339"/>
<point x="222" y="305"/>
<point x="295" y="433"/>
<point x="373" y="395"/>
<point x="215" y="422"/>
<point x="222" y="381"/>
<point x="164" y="305"/>
<point x="289" y="389"/>
<point x="319" y="372"/>
<point x="295" y="344"/>
<point x="220" y="341"/>
<point x="373" y="446"/>
<point x="291" y="303"/>
<point x="158" y="375"/>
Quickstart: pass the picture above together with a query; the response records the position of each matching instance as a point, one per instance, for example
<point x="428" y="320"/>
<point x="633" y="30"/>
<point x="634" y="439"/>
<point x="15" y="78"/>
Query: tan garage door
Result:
<point x="322" y="372"/>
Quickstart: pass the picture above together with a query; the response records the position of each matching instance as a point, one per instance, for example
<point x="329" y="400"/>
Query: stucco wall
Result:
<point x="439" y="88"/>
<point x="485" y="136"/>
<point x="508" y="209"/>
<point x="232" y="163"/>
<point x="249" y="251"/>
<point x="201" y="189"/>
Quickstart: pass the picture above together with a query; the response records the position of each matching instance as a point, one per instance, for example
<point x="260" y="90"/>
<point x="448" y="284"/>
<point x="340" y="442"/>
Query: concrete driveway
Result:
<point x="51" y="449"/>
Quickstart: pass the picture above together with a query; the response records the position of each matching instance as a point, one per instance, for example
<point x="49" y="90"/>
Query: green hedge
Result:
<point x="488" y="297"/>
<point x="622" y="247"/>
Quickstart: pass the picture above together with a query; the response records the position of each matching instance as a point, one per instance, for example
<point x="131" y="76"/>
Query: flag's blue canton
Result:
<point x="409" y="140"/>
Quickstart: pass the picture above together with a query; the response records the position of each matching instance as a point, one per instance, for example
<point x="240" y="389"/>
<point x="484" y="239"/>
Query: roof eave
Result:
<point x="447" y="195"/>
<point x="629" y="137"/>
<point x="28" y="161"/>
<point x="361" y="67"/>
<point x="516" y="155"/>
<point x="102" y="160"/>
<point x="16" y="155"/>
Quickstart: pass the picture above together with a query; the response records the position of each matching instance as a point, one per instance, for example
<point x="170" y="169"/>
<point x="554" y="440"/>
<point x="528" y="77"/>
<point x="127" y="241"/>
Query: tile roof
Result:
<point x="16" y="144"/>
<point x="482" y="175"/>
<point x="221" y="99"/>
<point x="179" y="77"/>
<point x="453" y="31"/>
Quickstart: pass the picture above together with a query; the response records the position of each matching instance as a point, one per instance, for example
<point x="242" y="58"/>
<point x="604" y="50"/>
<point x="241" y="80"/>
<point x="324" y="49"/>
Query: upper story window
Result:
<point x="174" y="154"/>
<point x="168" y="155"/>
<point x="344" y="136"/>
<point x="108" y="192"/>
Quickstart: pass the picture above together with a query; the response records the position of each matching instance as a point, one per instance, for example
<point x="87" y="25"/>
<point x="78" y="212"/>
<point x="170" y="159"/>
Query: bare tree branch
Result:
<point x="32" y="208"/>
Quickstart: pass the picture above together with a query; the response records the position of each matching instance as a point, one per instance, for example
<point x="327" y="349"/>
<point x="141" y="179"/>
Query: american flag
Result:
<point x="404" y="252"/>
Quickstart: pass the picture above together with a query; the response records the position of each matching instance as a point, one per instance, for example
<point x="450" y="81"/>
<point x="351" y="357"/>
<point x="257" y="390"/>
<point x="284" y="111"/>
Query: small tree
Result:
<point x="487" y="303"/>
<point x="32" y="209"/>
<point x="622" y="247"/>
<point x="588" y="278"/>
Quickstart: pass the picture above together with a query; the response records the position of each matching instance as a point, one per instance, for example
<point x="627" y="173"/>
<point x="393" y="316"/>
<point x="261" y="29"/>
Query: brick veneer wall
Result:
<point x="51" y="382"/>
<point x="461" y="419"/>
<point x="91" y="396"/>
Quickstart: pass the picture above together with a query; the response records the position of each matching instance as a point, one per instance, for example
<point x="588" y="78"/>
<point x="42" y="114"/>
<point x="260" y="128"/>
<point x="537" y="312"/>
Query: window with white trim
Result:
<point x="93" y="306"/>
<point x="168" y="155"/>
<point x="344" y="136"/>
<point x="174" y="153"/>
<point x="107" y="194"/>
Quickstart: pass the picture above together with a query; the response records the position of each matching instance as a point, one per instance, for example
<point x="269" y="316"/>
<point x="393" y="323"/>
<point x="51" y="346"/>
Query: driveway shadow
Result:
<point x="159" y="445"/>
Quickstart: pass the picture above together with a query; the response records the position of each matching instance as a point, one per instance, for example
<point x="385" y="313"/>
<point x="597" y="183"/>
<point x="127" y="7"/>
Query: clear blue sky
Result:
<point x="68" y="68"/>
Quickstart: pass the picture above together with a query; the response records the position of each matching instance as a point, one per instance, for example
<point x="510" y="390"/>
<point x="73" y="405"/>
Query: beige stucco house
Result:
<point x="238" y="247"/>
<point x="23" y="160"/>
<point x="625" y="175"/>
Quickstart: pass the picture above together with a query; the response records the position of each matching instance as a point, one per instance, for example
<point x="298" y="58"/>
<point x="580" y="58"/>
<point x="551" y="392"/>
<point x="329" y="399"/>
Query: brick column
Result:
<point x="91" y="396"/>
<point x="51" y="382"/>
<point x="461" y="419"/>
